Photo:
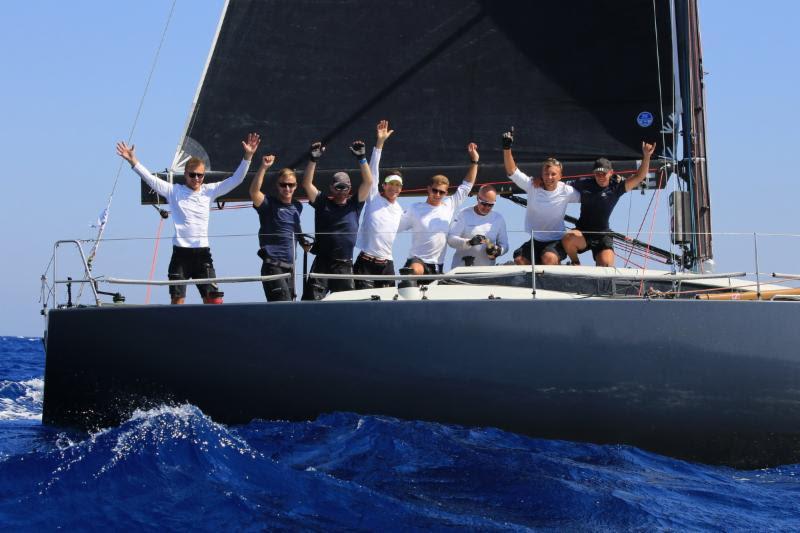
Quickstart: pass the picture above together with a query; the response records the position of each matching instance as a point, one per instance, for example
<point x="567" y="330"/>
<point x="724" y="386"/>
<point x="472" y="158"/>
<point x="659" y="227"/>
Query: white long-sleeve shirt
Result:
<point x="466" y="225"/>
<point x="378" y="231"/>
<point x="546" y="209"/>
<point x="429" y="225"/>
<point x="190" y="209"/>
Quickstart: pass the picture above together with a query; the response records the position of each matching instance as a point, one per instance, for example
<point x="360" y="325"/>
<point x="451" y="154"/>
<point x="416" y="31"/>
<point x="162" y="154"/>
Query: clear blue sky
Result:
<point x="73" y="74"/>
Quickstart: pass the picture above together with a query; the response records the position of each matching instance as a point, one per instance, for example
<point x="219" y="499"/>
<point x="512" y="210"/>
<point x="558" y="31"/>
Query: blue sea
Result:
<point x="174" y="468"/>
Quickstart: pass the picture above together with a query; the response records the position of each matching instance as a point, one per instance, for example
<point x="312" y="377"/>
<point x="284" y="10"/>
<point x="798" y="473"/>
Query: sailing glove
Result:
<point x="359" y="150"/>
<point x="493" y="250"/>
<point x="315" y="151"/>
<point x="508" y="139"/>
<point x="477" y="239"/>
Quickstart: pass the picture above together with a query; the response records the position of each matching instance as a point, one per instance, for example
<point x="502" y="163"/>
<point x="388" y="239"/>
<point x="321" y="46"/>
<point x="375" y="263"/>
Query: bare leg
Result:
<point x="572" y="242"/>
<point x="177" y="301"/>
<point x="521" y="260"/>
<point x="549" y="258"/>
<point x="418" y="269"/>
<point x="604" y="258"/>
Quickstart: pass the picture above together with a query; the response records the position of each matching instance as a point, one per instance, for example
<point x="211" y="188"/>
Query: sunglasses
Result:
<point x="486" y="204"/>
<point x="341" y="187"/>
<point x="196" y="175"/>
<point x="438" y="192"/>
<point x="286" y="185"/>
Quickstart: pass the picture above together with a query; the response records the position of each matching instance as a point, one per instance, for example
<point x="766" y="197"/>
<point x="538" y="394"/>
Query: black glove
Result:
<point x="477" y="239"/>
<point x="315" y="151"/>
<point x="508" y="139"/>
<point x="493" y="251"/>
<point x="359" y="150"/>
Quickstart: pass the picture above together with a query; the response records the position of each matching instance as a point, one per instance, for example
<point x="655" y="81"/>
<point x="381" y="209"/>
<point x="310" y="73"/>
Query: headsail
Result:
<point x="578" y="79"/>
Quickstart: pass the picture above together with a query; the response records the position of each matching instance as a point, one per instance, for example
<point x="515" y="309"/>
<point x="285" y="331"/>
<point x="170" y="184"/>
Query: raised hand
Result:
<point x="472" y="149"/>
<point x="382" y="132"/>
<point x="359" y="150"/>
<point x="648" y="149"/>
<point x="315" y="151"/>
<point x="268" y="160"/>
<point x="128" y="153"/>
<point x="508" y="139"/>
<point x="250" y="145"/>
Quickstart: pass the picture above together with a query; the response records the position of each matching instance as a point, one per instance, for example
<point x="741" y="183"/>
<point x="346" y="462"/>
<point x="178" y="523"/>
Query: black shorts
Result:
<point x="191" y="263"/>
<point x="372" y="266"/>
<point x="541" y="247"/>
<point x="316" y="288"/>
<point x="427" y="268"/>
<point x="277" y="290"/>
<point x="597" y="242"/>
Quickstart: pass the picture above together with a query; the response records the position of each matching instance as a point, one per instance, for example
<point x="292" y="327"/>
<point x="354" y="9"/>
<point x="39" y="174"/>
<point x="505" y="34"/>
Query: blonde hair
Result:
<point x="552" y="162"/>
<point x="287" y="172"/>
<point x="193" y="163"/>
<point x="440" y="179"/>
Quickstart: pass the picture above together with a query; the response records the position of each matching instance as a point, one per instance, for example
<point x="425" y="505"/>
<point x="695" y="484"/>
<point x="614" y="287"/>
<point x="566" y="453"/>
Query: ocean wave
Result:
<point x="21" y="400"/>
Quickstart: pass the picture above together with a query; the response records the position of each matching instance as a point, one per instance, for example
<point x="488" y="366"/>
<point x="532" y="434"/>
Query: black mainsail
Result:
<point x="578" y="79"/>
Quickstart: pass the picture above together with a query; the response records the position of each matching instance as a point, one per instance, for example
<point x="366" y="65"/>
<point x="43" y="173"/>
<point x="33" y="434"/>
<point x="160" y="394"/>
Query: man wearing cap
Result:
<point x="599" y="195"/>
<point x="335" y="222"/>
<point x="478" y="234"/>
<point x="279" y="217"/>
<point x="191" y="205"/>
<point x="548" y="199"/>
<point x="382" y="214"/>
<point x="429" y="221"/>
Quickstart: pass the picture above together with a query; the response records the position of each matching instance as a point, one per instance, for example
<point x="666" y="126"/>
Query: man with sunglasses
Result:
<point x="429" y="221"/>
<point x="279" y="216"/>
<point x="335" y="222"/>
<point x="382" y="214"/>
<point x="190" y="205"/>
<point x="478" y="234"/>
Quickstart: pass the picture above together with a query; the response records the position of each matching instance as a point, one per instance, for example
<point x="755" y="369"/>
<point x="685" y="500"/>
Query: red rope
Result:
<point x="650" y="238"/>
<point x="153" y="264"/>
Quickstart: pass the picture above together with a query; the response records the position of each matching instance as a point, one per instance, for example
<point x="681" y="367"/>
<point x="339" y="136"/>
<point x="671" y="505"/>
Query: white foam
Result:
<point x="24" y="406"/>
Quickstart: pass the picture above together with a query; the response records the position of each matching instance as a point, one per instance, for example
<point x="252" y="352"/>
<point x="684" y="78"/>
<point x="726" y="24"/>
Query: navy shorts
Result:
<point x="541" y="247"/>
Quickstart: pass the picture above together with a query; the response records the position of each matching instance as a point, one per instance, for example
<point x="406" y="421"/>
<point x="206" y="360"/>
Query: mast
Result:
<point x="693" y="167"/>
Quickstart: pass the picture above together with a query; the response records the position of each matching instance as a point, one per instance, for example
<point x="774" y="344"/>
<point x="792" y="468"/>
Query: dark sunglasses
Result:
<point x="286" y="185"/>
<point x="196" y="175"/>
<point x="341" y="187"/>
<point x="438" y="192"/>
<point x="486" y="204"/>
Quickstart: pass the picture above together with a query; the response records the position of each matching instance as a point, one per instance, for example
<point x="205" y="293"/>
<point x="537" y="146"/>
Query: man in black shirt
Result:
<point x="279" y="215"/>
<point x="335" y="223"/>
<point x="599" y="195"/>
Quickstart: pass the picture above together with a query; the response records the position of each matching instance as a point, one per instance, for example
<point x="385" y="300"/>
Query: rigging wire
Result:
<point x="155" y="257"/>
<point x="101" y="229"/>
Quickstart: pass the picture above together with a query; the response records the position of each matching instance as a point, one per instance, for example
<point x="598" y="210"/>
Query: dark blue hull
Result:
<point x="715" y="382"/>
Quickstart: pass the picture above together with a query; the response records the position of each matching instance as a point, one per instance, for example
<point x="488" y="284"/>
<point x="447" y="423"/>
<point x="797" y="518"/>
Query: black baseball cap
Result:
<point x="602" y="165"/>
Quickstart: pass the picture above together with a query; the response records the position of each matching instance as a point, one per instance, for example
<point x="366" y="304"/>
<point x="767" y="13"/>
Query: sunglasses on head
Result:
<point x="287" y="185"/>
<point x="196" y="175"/>
<point x="485" y="203"/>
<point x="438" y="192"/>
<point x="341" y="187"/>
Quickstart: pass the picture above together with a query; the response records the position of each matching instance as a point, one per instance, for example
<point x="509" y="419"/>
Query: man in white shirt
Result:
<point x="430" y="220"/>
<point x="191" y="205"/>
<point x="382" y="214"/>
<point x="547" y="205"/>
<point x="478" y="234"/>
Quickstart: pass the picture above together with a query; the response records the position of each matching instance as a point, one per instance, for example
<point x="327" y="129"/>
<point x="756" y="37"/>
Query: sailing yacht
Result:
<point x="681" y="361"/>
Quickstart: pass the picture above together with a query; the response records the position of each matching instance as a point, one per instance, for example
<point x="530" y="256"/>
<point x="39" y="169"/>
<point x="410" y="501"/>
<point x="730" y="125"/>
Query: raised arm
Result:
<point x="382" y="132"/>
<point x="249" y="145"/>
<point x="508" y="158"/>
<point x="128" y="153"/>
<point x="474" y="158"/>
<point x="359" y="149"/>
<point x="633" y="181"/>
<point x="255" y="186"/>
<point x="314" y="153"/>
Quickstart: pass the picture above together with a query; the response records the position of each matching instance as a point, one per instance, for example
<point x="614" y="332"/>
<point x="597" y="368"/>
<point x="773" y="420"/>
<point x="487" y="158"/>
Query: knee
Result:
<point x="521" y="260"/>
<point x="549" y="259"/>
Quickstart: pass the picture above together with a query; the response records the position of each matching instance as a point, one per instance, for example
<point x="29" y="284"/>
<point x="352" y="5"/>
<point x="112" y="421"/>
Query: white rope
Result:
<point x="203" y="281"/>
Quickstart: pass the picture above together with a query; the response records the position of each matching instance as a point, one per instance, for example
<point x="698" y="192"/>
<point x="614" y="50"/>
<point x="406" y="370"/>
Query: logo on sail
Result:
<point x="645" y="119"/>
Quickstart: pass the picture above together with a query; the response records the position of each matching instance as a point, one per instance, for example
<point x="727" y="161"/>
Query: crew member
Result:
<point x="382" y="214"/>
<point x="599" y="195"/>
<point x="430" y="220"/>
<point x="190" y="205"/>
<point x="335" y="222"/>
<point x="547" y="204"/>
<point x="478" y="234"/>
<point x="279" y="216"/>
